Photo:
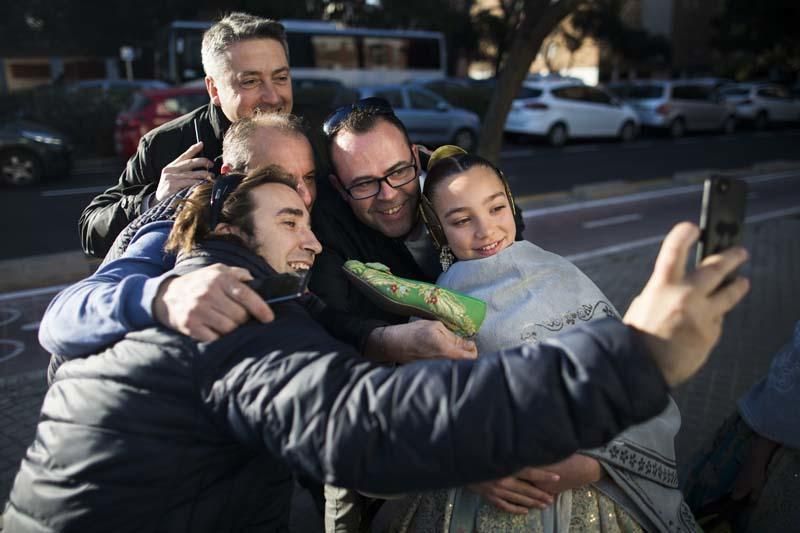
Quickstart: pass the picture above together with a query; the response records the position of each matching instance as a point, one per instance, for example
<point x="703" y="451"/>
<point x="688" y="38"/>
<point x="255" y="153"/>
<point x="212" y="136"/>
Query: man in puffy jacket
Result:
<point x="162" y="433"/>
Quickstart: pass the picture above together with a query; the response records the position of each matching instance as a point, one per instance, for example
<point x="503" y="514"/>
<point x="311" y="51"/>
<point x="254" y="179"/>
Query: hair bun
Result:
<point x="448" y="150"/>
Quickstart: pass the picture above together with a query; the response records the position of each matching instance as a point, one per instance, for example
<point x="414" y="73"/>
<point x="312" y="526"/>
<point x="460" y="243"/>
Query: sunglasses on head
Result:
<point x="375" y="104"/>
<point x="224" y="185"/>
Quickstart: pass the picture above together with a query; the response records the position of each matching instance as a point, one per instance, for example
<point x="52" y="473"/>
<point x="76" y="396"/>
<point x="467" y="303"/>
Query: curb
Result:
<point x="44" y="270"/>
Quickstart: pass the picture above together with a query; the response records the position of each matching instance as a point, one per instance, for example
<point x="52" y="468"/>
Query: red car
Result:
<point x="150" y="109"/>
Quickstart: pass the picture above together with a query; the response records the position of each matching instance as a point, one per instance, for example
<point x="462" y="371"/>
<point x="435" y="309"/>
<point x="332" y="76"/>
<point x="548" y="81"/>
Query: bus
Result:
<point x="354" y="56"/>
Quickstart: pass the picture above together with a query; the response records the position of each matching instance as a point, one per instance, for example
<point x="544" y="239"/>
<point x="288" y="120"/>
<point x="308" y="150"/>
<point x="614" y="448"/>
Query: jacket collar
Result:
<point x="222" y="251"/>
<point x="219" y="122"/>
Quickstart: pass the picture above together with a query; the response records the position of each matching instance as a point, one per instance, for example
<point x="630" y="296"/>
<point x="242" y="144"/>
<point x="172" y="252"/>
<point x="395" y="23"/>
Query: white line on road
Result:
<point x="611" y="221"/>
<point x="69" y="192"/>
<point x="15" y="348"/>
<point x="639" y="196"/>
<point x="632" y="245"/>
<point x="32" y="292"/>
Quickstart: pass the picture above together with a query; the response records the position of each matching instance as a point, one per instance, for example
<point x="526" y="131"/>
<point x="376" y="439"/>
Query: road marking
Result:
<point x="32" y="292"/>
<point x="611" y="221"/>
<point x="635" y="197"/>
<point x="69" y="192"/>
<point x="33" y="326"/>
<point x="576" y="149"/>
<point x="773" y="214"/>
<point x="627" y="246"/>
<point x="16" y="348"/>
<point x="10" y="316"/>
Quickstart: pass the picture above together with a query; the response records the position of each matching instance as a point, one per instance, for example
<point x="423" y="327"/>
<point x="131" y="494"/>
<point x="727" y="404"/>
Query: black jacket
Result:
<point x="161" y="433"/>
<point x="344" y="237"/>
<point x="110" y="212"/>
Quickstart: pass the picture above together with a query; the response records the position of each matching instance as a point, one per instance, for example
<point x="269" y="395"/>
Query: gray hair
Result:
<point x="236" y="149"/>
<point x="234" y="28"/>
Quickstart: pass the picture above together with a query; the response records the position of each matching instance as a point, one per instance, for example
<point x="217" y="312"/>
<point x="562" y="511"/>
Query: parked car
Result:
<point x="150" y="109"/>
<point x="107" y="85"/>
<point x="31" y="151"/>
<point x="678" y="106"/>
<point x="762" y="103"/>
<point x="428" y="117"/>
<point x="562" y="109"/>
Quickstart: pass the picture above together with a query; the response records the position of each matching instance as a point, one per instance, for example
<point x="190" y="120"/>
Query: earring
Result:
<point x="446" y="257"/>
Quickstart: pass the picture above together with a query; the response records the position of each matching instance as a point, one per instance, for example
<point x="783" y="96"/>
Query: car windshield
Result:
<point x="735" y="91"/>
<point x="140" y="101"/>
<point x="642" y="92"/>
<point x="529" y="92"/>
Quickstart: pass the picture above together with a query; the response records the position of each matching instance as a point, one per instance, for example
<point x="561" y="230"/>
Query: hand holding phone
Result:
<point x="721" y="217"/>
<point x="281" y="287"/>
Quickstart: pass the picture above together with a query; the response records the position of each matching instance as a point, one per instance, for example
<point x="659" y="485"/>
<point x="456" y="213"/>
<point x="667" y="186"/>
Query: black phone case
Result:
<point x="281" y="287"/>
<point x="722" y="216"/>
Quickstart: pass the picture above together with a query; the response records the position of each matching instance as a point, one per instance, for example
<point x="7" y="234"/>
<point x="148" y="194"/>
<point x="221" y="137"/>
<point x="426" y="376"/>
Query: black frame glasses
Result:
<point x="385" y="178"/>
<point x="224" y="185"/>
<point x="376" y="104"/>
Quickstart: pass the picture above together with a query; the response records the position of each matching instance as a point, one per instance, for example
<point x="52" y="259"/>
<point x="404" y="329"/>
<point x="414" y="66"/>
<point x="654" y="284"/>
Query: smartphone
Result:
<point x="721" y="217"/>
<point x="281" y="287"/>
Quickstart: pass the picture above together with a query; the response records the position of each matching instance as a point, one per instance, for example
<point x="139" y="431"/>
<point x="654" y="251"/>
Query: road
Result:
<point x="43" y="219"/>
<point x="578" y="231"/>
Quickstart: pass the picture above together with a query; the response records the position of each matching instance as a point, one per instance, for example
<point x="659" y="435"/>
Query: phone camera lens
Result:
<point x="723" y="186"/>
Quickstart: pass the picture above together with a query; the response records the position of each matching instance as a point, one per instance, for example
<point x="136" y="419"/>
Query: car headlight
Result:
<point x="42" y="137"/>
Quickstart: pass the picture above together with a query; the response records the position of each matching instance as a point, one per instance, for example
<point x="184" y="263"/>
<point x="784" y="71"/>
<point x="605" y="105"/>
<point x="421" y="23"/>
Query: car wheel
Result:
<point x="628" y="132"/>
<point x="20" y="168"/>
<point x="677" y="128"/>
<point x="729" y="126"/>
<point x="466" y="139"/>
<point x="557" y="136"/>
<point x="761" y="121"/>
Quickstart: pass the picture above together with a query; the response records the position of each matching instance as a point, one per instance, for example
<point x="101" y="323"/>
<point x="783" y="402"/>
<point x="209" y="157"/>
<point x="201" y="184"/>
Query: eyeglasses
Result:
<point x="224" y="185"/>
<point x="370" y="187"/>
<point x="376" y="104"/>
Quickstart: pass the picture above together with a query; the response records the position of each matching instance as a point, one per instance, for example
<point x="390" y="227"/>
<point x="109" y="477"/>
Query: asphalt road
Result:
<point x="578" y="231"/>
<point x="44" y="219"/>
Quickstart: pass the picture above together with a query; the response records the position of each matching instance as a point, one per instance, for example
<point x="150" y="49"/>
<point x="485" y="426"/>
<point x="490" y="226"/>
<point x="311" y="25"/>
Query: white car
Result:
<point x="559" y="110"/>
<point x="429" y="118"/>
<point x="762" y="103"/>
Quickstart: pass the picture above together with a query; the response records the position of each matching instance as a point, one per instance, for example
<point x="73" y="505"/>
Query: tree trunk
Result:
<point x="540" y="17"/>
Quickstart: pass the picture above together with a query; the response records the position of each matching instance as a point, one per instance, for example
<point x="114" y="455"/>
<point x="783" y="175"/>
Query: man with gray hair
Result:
<point x="246" y="61"/>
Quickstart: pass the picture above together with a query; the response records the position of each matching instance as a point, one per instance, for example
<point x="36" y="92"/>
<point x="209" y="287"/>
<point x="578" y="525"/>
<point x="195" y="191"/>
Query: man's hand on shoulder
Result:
<point x="187" y="169"/>
<point x="209" y="302"/>
<point x="421" y="339"/>
<point x="681" y="315"/>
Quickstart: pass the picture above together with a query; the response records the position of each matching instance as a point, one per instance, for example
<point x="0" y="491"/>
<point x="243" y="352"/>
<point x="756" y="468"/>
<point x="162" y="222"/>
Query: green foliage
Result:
<point x="756" y="37"/>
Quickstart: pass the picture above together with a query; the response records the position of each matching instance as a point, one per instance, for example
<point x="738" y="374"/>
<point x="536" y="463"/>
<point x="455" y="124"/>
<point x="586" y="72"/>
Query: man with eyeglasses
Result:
<point x="369" y="209"/>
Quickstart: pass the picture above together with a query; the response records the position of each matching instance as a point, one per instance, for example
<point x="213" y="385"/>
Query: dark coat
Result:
<point x="161" y="433"/>
<point x="107" y="214"/>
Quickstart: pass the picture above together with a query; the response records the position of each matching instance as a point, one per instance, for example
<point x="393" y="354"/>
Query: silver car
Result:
<point x="678" y="106"/>
<point x="428" y="117"/>
<point x="762" y="103"/>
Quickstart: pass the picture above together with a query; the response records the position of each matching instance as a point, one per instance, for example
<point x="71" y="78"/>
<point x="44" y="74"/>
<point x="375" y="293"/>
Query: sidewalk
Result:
<point x="753" y="332"/>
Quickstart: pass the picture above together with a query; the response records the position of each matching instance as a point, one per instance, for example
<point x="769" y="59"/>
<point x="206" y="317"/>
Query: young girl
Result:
<point x="628" y="485"/>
